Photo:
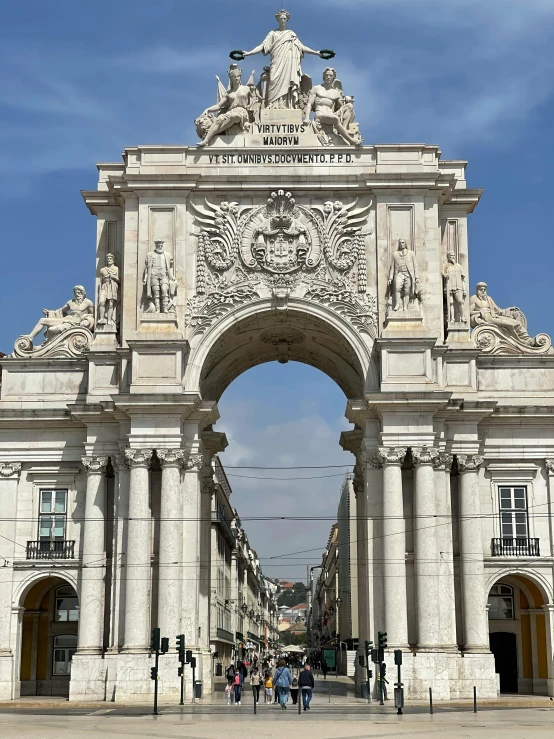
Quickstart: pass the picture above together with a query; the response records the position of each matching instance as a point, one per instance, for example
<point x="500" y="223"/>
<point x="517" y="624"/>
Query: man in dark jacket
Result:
<point x="306" y="684"/>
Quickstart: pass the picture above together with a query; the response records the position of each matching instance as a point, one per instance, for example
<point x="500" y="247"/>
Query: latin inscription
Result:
<point x="281" y="158"/>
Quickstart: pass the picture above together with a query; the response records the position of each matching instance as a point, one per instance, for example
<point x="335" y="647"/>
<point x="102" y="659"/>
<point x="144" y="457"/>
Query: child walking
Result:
<point x="229" y="691"/>
<point x="269" y="689"/>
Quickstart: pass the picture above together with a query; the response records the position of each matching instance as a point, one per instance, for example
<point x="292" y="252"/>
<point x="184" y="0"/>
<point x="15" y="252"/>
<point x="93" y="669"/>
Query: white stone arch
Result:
<point x="263" y="313"/>
<point x="535" y="577"/>
<point x="23" y="587"/>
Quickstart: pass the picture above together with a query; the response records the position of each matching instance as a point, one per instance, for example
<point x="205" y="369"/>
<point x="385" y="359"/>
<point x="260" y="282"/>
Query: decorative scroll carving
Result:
<point x="67" y="330"/>
<point x="285" y="247"/>
<point x="171" y="457"/>
<point x="391" y="455"/>
<point x="443" y="461"/>
<point x="194" y="462"/>
<point x="138" y="457"/>
<point x="424" y="454"/>
<point x="94" y="465"/>
<point x="469" y="462"/>
<point x="10" y="469"/>
<point x="502" y="331"/>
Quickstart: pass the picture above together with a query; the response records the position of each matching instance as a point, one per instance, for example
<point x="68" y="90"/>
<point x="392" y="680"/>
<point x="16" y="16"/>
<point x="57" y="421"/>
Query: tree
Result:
<point x="292" y="596"/>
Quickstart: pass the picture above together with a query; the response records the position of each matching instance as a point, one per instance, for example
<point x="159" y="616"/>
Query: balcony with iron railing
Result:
<point x="50" y="549"/>
<point x="219" y="518"/>
<point x="515" y="547"/>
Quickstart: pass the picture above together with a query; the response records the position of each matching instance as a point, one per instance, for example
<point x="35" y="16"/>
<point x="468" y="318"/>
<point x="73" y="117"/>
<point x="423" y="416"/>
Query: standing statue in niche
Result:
<point x="161" y="286"/>
<point x="332" y="109"/>
<point x="403" y="281"/>
<point x="454" y="289"/>
<point x="282" y="88"/>
<point x="108" y="293"/>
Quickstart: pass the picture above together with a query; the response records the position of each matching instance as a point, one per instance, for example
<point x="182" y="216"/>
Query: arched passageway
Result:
<point x="517" y="632"/>
<point x="48" y="637"/>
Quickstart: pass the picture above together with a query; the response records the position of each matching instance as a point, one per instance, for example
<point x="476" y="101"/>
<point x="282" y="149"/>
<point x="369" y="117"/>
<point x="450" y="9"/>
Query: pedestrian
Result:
<point x="255" y="681"/>
<point x="229" y="691"/>
<point x="306" y="684"/>
<point x="294" y="691"/>
<point x="238" y="687"/>
<point x="268" y="688"/>
<point x="283" y="681"/>
<point x="230" y="672"/>
<point x="383" y="682"/>
<point x="324" y="668"/>
<point x="243" y="669"/>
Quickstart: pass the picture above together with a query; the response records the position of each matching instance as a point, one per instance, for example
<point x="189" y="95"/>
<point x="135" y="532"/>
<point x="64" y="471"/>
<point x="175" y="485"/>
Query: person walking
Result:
<point x="294" y="691"/>
<point x="238" y="687"/>
<point x="230" y="672"/>
<point x="382" y="682"/>
<point x="268" y="688"/>
<point x="229" y="691"/>
<point x="283" y="681"/>
<point x="306" y="683"/>
<point x="324" y="668"/>
<point x="255" y="681"/>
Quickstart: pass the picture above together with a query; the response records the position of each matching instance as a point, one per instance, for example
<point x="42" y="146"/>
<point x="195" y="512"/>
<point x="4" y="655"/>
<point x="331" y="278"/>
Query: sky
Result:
<point x="82" y="80"/>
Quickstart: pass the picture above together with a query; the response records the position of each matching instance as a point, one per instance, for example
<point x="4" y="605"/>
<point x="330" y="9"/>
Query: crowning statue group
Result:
<point x="277" y="682"/>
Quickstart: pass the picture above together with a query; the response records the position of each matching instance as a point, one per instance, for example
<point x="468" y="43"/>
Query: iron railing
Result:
<point x="219" y="518"/>
<point x="56" y="549"/>
<point x="518" y="547"/>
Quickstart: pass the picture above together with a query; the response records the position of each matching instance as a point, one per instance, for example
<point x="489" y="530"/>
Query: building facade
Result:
<point x="276" y="240"/>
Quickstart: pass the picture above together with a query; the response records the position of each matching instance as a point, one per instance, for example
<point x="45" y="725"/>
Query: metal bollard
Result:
<point x="329" y="691"/>
<point x="299" y="701"/>
<point x="474" y="699"/>
<point x="430" y="700"/>
<point x="254" y="696"/>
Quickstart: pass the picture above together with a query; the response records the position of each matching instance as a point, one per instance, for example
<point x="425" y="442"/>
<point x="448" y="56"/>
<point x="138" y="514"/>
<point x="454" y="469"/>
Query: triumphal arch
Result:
<point x="281" y="235"/>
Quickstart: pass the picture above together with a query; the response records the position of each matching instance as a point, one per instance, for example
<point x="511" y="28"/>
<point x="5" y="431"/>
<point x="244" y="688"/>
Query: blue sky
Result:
<point x="82" y="80"/>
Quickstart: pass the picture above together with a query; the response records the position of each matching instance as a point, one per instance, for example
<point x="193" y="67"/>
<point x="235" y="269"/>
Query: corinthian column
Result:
<point x="476" y="628"/>
<point x="91" y="600"/>
<point x="137" y="561"/>
<point x="447" y="598"/>
<point x="170" y="567"/>
<point x="426" y="552"/>
<point x="394" y="547"/>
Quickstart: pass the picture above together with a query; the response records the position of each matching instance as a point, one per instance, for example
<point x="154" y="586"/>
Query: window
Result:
<point x="66" y="605"/>
<point x="52" y="515"/>
<point x="64" y="649"/>
<point x="513" y="513"/>
<point x="501" y="602"/>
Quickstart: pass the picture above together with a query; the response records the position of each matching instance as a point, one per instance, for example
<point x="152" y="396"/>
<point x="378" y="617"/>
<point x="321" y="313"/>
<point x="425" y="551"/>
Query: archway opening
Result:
<point x="48" y="637"/>
<point x="517" y="632"/>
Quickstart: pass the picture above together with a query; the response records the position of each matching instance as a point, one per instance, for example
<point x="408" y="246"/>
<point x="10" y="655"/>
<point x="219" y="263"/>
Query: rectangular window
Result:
<point x="64" y="649"/>
<point x="52" y="515"/>
<point x="513" y="512"/>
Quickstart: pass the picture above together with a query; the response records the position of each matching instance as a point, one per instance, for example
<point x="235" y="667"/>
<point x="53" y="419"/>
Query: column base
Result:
<point x="89" y="650"/>
<point x="135" y="649"/>
<point x="6" y="677"/>
<point x="89" y="675"/>
<point x="451" y="676"/>
<point x="476" y="649"/>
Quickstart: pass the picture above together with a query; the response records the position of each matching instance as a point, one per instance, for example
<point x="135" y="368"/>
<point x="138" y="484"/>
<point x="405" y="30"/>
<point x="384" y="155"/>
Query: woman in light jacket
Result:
<point x="282" y="681"/>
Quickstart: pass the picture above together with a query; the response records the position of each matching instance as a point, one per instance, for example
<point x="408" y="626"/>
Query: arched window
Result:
<point x="65" y="646"/>
<point x="66" y="604"/>
<point x="501" y="602"/>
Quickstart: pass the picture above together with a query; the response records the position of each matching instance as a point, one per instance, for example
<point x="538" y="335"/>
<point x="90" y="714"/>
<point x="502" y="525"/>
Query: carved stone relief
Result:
<point x="67" y="330"/>
<point x="284" y="248"/>
<point x="502" y="331"/>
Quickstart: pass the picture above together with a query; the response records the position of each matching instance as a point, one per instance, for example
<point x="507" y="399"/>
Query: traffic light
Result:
<point x="370" y="674"/>
<point x="383" y="639"/>
<point x="384" y="669"/>
<point x="165" y="645"/>
<point x="153" y="673"/>
<point x="180" y="671"/>
<point x="181" y="647"/>
<point x="397" y="656"/>
<point x="193" y="662"/>
<point x="374" y="655"/>
<point x="188" y="656"/>
<point x="155" y="643"/>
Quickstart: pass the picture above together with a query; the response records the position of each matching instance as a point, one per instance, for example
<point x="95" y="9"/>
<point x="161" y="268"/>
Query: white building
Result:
<point x="305" y="246"/>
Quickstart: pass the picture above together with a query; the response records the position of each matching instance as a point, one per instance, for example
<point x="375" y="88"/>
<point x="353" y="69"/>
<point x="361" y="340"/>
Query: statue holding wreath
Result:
<point x="282" y="87"/>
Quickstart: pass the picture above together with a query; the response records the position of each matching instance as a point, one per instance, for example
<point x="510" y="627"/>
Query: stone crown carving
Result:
<point x="194" y="462"/>
<point x="469" y="462"/>
<point x="94" y="465"/>
<point x="138" y="457"/>
<point x="391" y="455"/>
<point x="424" y="454"/>
<point x="443" y="461"/>
<point x="171" y="457"/>
<point x="9" y="469"/>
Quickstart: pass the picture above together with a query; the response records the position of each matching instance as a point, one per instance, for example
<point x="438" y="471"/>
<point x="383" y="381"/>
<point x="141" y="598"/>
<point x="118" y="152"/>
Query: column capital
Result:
<point x="171" y="457"/>
<point x="424" y="454"/>
<point x="469" y="462"/>
<point x="120" y="462"/>
<point x="549" y="464"/>
<point x="391" y="454"/>
<point x="443" y="461"/>
<point x="138" y="457"/>
<point x="10" y="469"/>
<point x="94" y="465"/>
<point x="370" y="459"/>
<point x="194" y="462"/>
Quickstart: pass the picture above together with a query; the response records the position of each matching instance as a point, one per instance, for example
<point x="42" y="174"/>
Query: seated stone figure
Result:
<point x="76" y="312"/>
<point x="510" y="321"/>
<point x="333" y="111"/>
<point x="233" y="109"/>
